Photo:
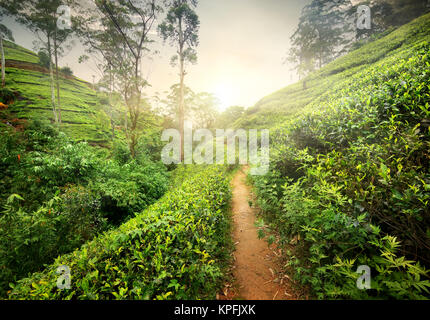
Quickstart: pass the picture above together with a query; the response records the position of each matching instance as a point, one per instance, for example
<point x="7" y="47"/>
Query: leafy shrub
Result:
<point x="129" y="188"/>
<point x="31" y="239"/>
<point x="70" y="193"/>
<point x="67" y="71"/>
<point x="7" y="96"/>
<point x="40" y="173"/>
<point x="79" y="210"/>
<point x="172" y="250"/>
<point x="349" y="182"/>
<point x="40" y="161"/>
<point x="44" y="59"/>
<point x="27" y="240"/>
<point x="121" y="153"/>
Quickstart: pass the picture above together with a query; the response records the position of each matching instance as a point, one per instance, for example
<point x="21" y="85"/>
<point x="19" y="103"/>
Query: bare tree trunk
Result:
<point x="3" y="64"/>
<point x="181" y="109"/>
<point x="134" y="106"/>
<point x="126" y="123"/>
<point x="51" y="77"/>
<point x="181" y="90"/>
<point x="111" y="87"/>
<point x="57" y="79"/>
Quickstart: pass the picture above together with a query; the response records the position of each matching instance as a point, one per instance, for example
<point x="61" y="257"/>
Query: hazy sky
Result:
<point x="242" y="46"/>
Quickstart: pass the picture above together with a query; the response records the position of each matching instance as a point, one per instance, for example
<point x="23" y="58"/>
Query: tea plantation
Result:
<point x="172" y="250"/>
<point x="349" y="183"/>
<point x="348" y="186"/>
<point x="82" y="114"/>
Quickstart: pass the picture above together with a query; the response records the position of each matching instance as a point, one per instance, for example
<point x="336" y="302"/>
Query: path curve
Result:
<point x="255" y="268"/>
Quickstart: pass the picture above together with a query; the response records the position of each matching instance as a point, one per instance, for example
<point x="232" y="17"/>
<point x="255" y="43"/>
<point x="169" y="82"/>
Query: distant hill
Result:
<point x="280" y="105"/>
<point x="82" y="115"/>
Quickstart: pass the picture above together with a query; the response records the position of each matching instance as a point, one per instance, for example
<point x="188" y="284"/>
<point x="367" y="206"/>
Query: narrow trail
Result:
<point x="255" y="267"/>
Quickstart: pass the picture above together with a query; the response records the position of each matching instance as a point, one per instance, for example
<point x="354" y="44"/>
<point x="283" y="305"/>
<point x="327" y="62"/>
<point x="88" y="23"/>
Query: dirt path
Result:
<point x="255" y="268"/>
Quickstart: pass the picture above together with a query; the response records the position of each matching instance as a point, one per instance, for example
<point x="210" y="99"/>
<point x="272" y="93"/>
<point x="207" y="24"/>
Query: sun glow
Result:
<point x="225" y="94"/>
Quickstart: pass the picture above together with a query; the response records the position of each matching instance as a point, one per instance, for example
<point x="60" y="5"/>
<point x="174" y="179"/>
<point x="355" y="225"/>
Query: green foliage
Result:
<point x="40" y="161"/>
<point x="44" y="59"/>
<point x="129" y="188"/>
<point x="30" y="239"/>
<point x="67" y="71"/>
<point x="172" y="250"/>
<point x="82" y="113"/>
<point x="79" y="209"/>
<point x="229" y="116"/>
<point x="281" y="105"/>
<point x="27" y="239"/>
<point x="402" y="278"/>
<point x="349" y="179"/>
<point x="6" y="96"/>
<point x="121" y="152"/>
<point x="18" y="53"/>
<point x="71" y="192"/>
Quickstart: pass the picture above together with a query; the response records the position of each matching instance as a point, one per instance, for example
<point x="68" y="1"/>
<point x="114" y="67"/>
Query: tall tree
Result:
<point x="204" y="110"/>
<point x="119" y="32"/>
<point x="229" y="116"/>
<point x="5" y="33"/>
<point x="386" y="14"/>
<point x="169" y="104"/>
<point x="59" y="39"/>
<point x="40" y="17"/>
<point x="181" y="27"/>
<point x="199" y="108"/>
<point x="319" y="37"/>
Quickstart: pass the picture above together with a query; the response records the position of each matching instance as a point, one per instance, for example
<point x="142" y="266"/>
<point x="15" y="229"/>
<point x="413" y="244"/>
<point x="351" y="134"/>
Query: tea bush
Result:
<point x="349" y="183"/>
<point x="172" y="250"/>
<point x="68" y="193"/>
<point x="6" y="95"/>
<point x="30" y="239"/>
<point x="39" y="161"/>
<point x="129" y="188"/>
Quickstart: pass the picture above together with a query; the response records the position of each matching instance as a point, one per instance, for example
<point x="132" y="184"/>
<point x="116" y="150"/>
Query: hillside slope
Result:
<point x="82" y="115"/>
<point x="280" y="105"/>
<point x="349" y="179"/>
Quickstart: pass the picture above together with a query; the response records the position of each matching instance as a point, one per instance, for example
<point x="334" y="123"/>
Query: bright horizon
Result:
<point x="240" y="55"/>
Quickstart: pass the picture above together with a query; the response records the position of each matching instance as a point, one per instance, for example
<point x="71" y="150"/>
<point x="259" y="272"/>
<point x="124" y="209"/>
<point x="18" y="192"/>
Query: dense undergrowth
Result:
<point x="56" y="194"/>
<point x="349" y="183"/>
<point x="174" y="249"/>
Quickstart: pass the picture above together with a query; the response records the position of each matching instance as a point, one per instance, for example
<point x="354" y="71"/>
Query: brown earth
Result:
<point x="256" y="270"/>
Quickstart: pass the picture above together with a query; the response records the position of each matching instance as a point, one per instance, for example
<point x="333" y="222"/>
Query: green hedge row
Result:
<point x="174" y="249"/>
